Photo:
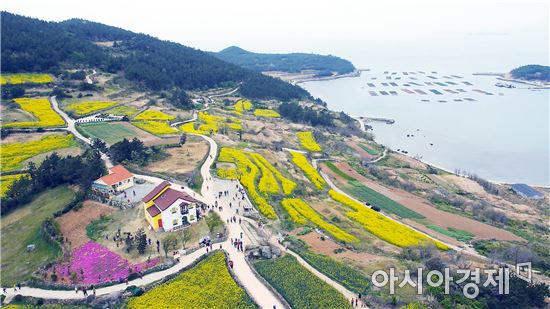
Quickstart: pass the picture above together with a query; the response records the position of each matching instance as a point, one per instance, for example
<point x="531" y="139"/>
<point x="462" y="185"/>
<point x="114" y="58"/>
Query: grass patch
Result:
<point x="96" y="228"/>
<point x="367" y="194"/>
<point x="22" y="227"/>
<point x="207" y="285"/>
<point x="457" y="234"/>
<point x="298" y="286"/>
<point x="106" y="131"/>
<point x="371" y="151"/>
<point x="350" y="278"/>
<point x="338" y="172"/>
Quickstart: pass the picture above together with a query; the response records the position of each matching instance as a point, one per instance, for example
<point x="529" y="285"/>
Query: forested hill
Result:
<point x="294" y="62"/>
<point x="532" y="72"/>
<point x="32" y="45"/>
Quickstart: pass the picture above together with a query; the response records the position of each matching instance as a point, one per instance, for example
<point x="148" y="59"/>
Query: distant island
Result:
<point x="532" y="72"/>
<point x="323" y="65"/>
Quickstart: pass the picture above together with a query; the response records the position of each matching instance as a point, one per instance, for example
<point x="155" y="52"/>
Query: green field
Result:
<point x="108" y="132"/>
<point x="338" y="172"/>
<point x="22" y="227"/>
<point x="299" y="287"/>
<point x="370" y="149"/>
<point x="366" y="194"/>
<point x="457" y="234"/>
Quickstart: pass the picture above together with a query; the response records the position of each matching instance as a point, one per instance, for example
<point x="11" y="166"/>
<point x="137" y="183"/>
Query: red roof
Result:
<point x="153" y="211"/>
<point x="116" y="174"/>
<point x="155" y="191"/>
<point x="169" y="196"/>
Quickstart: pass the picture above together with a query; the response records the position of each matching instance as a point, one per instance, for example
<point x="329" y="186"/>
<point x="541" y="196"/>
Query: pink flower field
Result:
<point x="94" y="264"/>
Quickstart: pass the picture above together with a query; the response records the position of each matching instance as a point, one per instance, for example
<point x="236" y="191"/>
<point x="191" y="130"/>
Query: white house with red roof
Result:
<point x="118" y="180"/>
<point x="167" y="209"/>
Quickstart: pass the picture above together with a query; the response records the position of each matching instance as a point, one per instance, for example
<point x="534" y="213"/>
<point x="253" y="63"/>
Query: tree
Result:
<point x="141" y="239"/>
<point x="169" y="242"/>
<point x="183" y="139"/>
<point x="213" y="221"/>
<point x="186" y="237"/>
<point x="99" y="145"/>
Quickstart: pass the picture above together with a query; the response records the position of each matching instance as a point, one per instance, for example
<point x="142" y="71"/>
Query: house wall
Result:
<point x="153" y="221"/>
<point x="125" y="184"/>
<point x="171" y="217"/>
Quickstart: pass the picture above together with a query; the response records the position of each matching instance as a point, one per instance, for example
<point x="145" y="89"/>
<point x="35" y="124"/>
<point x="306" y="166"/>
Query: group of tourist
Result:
<point x="355" y="302"/>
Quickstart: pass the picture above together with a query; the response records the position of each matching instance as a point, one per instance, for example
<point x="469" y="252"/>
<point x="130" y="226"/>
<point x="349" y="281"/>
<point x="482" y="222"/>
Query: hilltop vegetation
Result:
<point x="30" y="44"/>
<point x="294" y="62"/>
<point x="532" y="72"/>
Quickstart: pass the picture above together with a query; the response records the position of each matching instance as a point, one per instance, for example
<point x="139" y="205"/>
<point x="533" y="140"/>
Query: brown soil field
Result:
<point x="73" y="224"/>
<point x="360" y="151"/>
<point x="328" y="246"/>
<point x="423" y="207"/>
<point x="182" y="159"/>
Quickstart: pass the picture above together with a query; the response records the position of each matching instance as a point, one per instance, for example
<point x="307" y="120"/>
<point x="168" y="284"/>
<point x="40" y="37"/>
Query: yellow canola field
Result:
<point x="311" y="173"/>
<point x="300" y="212"/>
<point x="247" y="171"/>
<point x="268" y="113"/>
<point x="84" y="108"/>
<point x="39" y="108"/>
<point x="242" y="106"/>
<point x="308" y="141"/>
<point x="25" y="78"/>
<point x="383" y="227"/>
<point x="206" y="285"/>
<point x="287" y="184"/>
<point x="155" y="127"/>
<point x="14" y="154"/>
<point x="6" y="181"/>
<point x="154" y="115"/>
<point x="227" y="173"/>
<point x="209" y="124"/>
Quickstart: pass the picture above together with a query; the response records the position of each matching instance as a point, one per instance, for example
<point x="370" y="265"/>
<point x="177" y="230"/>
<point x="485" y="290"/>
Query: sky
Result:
<point x="327" y="27"/>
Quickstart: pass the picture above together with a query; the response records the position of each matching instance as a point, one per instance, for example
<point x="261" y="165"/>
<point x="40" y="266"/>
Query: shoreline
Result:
<point x="362" y="125"/>
<point x="453" y="173"/>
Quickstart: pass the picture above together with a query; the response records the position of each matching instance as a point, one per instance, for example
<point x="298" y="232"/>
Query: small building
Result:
<point x="118" y="180"/>
<point x="527" y="191"/>
<point x="168" y="209"/>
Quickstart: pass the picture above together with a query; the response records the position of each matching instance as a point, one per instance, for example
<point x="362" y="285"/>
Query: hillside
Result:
<point x="294" y="62"/>
<point x="30" y="44"/>
<point x="532" y="72"/>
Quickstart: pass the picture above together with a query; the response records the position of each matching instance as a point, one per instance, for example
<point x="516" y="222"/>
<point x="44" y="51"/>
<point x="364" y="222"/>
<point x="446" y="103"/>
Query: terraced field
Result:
<point x="85" y="108"/>
<point x="206" y="285"/>
<point x="308" y="142"/>
<point x="155" y="127"/>
<point x="39" y="108"/>
<point x="14" y="154"/>
<point x="25" y="78"/>
<point x="210" y="124"/>
<point x="311" y="173"/>
<point x="382" y="227"/>
<point x="301" y="213"/>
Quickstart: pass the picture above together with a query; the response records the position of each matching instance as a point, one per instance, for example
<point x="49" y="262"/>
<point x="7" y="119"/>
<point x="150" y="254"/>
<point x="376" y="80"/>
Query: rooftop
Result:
<point x="526" y="190"/>
<point x="116" y="174"/>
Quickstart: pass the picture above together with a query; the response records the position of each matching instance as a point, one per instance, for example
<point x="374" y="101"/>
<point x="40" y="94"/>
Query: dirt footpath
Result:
<point x="438" y="217"/>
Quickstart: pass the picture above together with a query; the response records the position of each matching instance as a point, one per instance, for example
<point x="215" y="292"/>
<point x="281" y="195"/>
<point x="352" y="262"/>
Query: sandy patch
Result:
<point x="328" y="247"/>
<point x="182" y="159"/>
<point x="73" y="224"/>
